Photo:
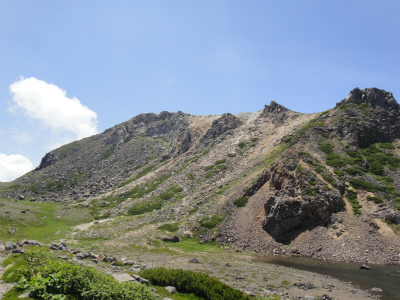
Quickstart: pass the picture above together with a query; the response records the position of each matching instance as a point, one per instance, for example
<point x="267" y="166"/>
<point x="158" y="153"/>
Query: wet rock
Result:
<point x="364" y="267"/>
<point x="376" y="290"/>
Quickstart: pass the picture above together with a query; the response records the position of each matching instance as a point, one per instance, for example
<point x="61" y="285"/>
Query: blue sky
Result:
<point x="69" y="69"/>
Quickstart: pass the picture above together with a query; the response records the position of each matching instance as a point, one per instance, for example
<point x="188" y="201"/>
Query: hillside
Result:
<point x="324" y="185"/>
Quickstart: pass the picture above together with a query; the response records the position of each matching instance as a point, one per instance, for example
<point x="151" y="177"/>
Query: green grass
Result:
<point x="352" y="197"/>
<point x="275" y="154"/>
<point x="41" y="222"/>
<point x="171" y="227"/>
<point x="376" y="199"/>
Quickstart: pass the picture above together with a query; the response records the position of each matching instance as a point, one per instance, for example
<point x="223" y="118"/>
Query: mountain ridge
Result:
<point x="271" y="181"/>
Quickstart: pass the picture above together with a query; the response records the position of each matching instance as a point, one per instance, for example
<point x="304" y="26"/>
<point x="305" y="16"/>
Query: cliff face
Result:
<point x="324" y="185"/>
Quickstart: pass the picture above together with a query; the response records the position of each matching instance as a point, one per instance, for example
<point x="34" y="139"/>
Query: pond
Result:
<point x="386" y="277"/>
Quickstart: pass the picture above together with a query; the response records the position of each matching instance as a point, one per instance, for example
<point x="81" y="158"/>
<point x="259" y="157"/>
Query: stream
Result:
<point x="386" y="277"/>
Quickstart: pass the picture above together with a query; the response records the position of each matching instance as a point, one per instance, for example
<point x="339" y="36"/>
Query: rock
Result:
<point x="140" y="279"/>
<point x="166" y="298"/>
<point x="18" y="251"/>
<point x="171" y="289"/>
<point x="194" y="261"/>
<point x="24" y="295"/>
<point x="23" y="211"/>
<point x="309" y="297"/>
<point x="173" y="239"/>
<point x="123" y="277"/>
<point x="188" y="234"/>
<point x="228" y="265"/>
<point x="21" y="197"/>
<point x="376" y="289"/>
<point x="364" y="267"/>
<point x="9" y="246"/>
<point x="12" y="230"/>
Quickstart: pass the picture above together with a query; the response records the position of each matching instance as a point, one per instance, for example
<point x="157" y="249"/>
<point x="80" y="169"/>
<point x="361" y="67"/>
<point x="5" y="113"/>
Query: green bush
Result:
<point x="191" y="176"/>
<point x="241" y="202"/>
<point x="207" y="168"/>
<point x="200" y="284"/>
<point x="47" y="277"/>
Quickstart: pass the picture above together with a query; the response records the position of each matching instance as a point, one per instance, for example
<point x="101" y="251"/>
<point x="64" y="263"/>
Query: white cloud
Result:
<point x="50" y="105"/>
<point x="13" y="166"/>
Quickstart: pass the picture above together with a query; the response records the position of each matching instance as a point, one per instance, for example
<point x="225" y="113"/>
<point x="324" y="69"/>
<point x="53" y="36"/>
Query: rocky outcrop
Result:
<point x="220" y="126"/>
<point x="372" y="96"/>
<point x="368" y="116"/>
<point x="296" y="205"/>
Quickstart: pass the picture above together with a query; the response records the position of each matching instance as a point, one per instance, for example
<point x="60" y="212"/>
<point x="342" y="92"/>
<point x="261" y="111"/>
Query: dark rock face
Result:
<point x="47" y="160"/>
<point x="276" y="112"/>
<point x="274" y="108"/>
<point x="293" y="208"/>
<point x="222" y="125"/>
<point x="373" y="116"/>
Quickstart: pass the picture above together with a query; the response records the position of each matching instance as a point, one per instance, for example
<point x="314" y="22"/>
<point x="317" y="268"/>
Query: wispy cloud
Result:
<point x="50" y="105"/>
<point x="13" y="166"/>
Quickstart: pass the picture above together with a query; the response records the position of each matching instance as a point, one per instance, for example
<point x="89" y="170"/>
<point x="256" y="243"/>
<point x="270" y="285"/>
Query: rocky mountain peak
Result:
<point x="274" y="107"/>
<point x="373" y="96"/>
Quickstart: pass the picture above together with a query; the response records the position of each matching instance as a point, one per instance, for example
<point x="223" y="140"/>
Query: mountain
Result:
<point x="325" y="185"/>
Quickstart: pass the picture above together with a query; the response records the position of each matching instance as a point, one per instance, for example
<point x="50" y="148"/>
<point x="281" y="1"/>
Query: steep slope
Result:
<point x="324" y="185"/>
<point x="335" y="190"/>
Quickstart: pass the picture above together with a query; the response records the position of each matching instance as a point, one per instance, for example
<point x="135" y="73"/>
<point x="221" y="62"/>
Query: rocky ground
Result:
<point x="236" y="269"/>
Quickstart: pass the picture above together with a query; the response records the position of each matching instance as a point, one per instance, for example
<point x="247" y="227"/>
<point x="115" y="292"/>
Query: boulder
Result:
<point x="9" y="246"/>
<point x="12" y="230"/>
<point x="171" y="289"/>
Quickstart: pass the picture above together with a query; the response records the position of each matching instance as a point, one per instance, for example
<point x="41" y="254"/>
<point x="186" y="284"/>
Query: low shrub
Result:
<point x="144" y="207"/>
<point x="326" y="148"/>
<point x="362" y="184"/>
<point x="221" y="161"/>
<point x="241" y="202"/>
<point x="212" y="222"/>
<point x="200" y="284"/>
<point x="46" y="276"/>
